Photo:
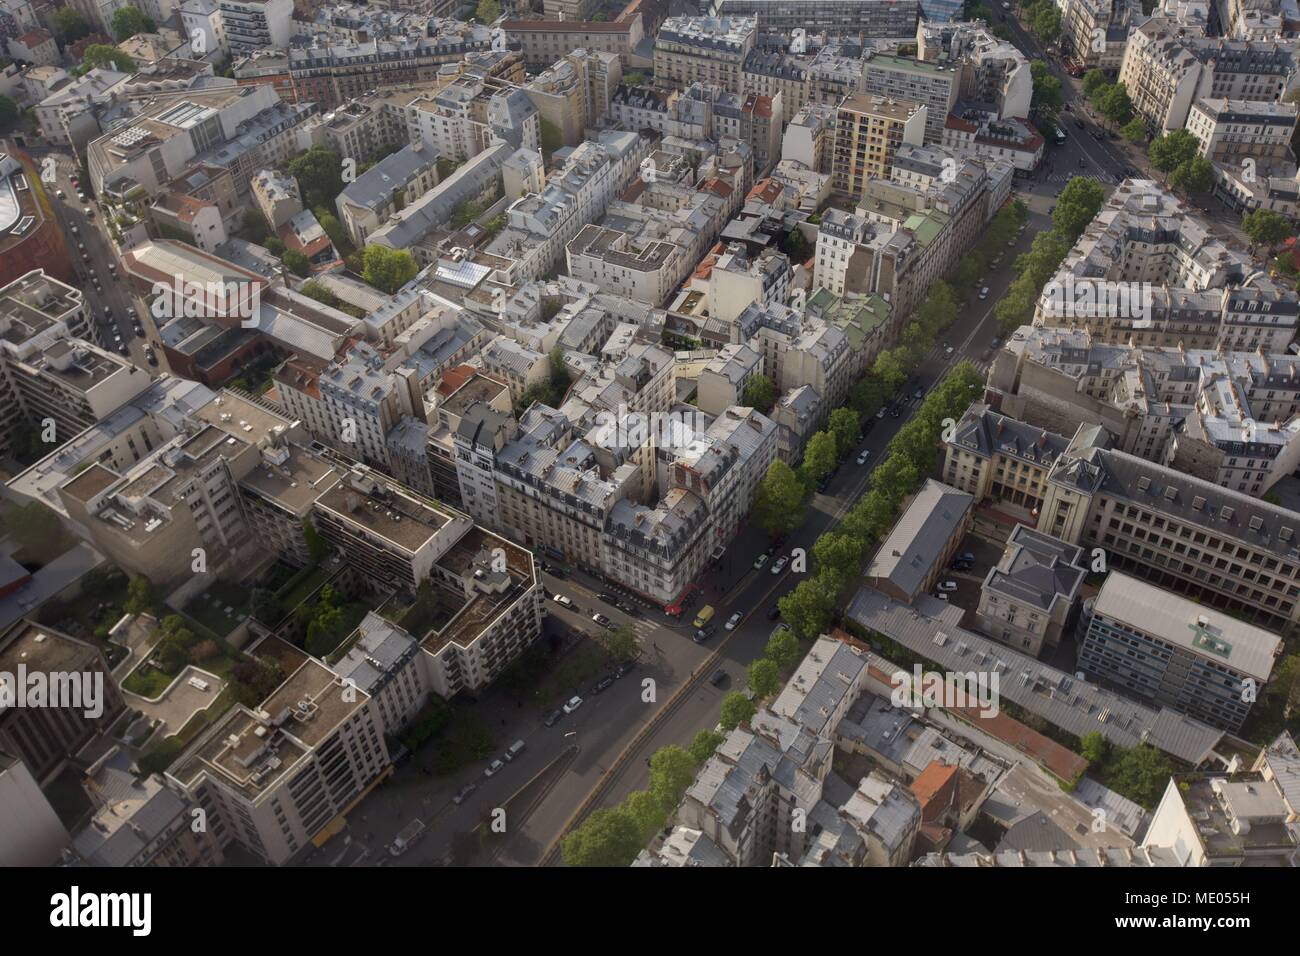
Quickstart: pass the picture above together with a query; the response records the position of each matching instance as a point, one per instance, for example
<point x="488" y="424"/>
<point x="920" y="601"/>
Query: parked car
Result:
<point x="718" y="677"/>
<point x="553" y="718"/>
<point x="862" y="458"/>
<point x="563" y="600"/>
<point x="703" y="634"/>
<point x="881" y="413"/>
<point x="602" y="620"/>
<point x="81" y="197"/>
<point x="624" y="668"/>
<point x="60" y="194"/>
<point x="984" y="292"/>
<point x="122" y="349"/>
<point x="761" y="560"/>
<point x="149" y="356"/>
<point x="967" y="556"/>
<point x="574" y="703"/>
<point x="780" y="564"/>
<point x="604" y="684"/>
<point x="607" y="597"/>
<point x="495" y="767"/>
<point x="941" y="596"/>
<point x="995" y="344"/>
<point x="463" y="793"/>
<point x="514" y="750"/>
<point x="948" y="586"/>
<point x="733" y="621"/>
<point x="629" y="609"/>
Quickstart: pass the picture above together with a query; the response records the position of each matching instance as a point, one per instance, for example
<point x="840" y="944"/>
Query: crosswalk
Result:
<point x="1106" y="179"/>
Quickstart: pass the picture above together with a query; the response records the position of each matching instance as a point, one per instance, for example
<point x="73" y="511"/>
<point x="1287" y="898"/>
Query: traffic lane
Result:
<point x="602" y="729"/>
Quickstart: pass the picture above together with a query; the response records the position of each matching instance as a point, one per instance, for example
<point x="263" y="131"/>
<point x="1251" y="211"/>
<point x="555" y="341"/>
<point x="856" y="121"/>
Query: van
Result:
<point x="704" y="617"/>
<point x="515" y="750"/>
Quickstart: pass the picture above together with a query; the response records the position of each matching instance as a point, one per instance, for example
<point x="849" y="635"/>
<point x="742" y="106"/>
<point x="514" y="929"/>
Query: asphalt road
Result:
<point x="92" y="254"/>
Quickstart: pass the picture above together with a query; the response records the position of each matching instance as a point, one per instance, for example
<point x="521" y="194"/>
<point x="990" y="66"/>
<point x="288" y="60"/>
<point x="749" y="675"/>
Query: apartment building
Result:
<point x="53" y="382"/>
<point x="1226" y="417"/>
<point x="45" y="739"/>
<point x="241" y="129"/>
<point x="869" y="129"/>
<point x="251" y="25"/>
<point x="277" y="196"/>
<point x="809" y="137"/>
<point x="33" y="834"/>
<point x="1167" y="68"/>
<point x="1027" y="599"/>
<point x="575" y="92"/>
<point x="280" y="778"/>
<point x="1169" y="281"/>
<point x="1215" y="819"/>
<point x="707" y="50"/>
<point x="328" y="73"/>
<point x="769" y="72"/>
<point x="540" y="225"/>
<point x="1087" y="29"/>
<point x="1224" y="548"/>
<point x="991" y="72"/>
<point x="395" y="182"/>
<point x="974" y="132"/>
<point x="1230" y="131"/>
<point x="917" y="550"/>
<point x="360" y="130"/>
<point x="472" y="113"/>
<point x="997" y="458"/>
<point x="934" y="85"/>
<point x="142" y="822"/>
<point x="1166" y="649"/>
<point x="872" y="19"/>
<point x="798" y="350"/>
<point x="542" y="42"/>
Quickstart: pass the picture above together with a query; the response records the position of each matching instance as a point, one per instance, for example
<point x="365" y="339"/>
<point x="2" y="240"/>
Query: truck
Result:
<point x="409" y="836"/>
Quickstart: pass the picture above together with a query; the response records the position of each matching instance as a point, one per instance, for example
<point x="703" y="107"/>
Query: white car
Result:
<point x="573" y="704"/>
<point x="493" y="768"/>
<point x="781" y="562"/>
<point x="947" y="350"/>
<point x="880" y="414"/>
<point x="563" y="600"/>
<point x="941" y="596"/>
<point x="948" y="586"/>
<point x="984" y="292"/>
<point x="733" y="621"/>
<point x="862" y="458"/>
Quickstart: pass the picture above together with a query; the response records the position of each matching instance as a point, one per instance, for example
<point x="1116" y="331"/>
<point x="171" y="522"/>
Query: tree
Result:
<point x="1115" y="104"/>
<point x="808" y="608"/>
<point x="9" y="113"/>
<point x="140" y="597"/>
<point x="867" y="396"/>
<point x="819" y="457"/>
<point x="796" y="245"/>
<point x="736" y="709"/>
<point x="1141" y="773"/>
<point x="1172" y="150"/>
<point x="839" y="557"/>
<point x="1095" y="748"/>
<point x="671" y="772"/>
<point x="69" y="25"/>
<point x="297" y="263"/>
<point x="648" y="810"/>
<point x="609" y="837"/>
<point x="1046" y="23"/>
<point x="779" y="501"/>
<point x="1135" y="130"/>
<point x="844" y="426"/>
<point x="759" y="393"/>
<point x="128" y="21"/>
<point x="1265" y="227"/>
<point x="319" y="172"/>
<point x="101" y="56"/>
<point x="1078" y="205"/>
<point x="317" y="546"/>
<point x="782" y="649"/>
<point x="1047" y="88"/>
<point x="333" y="228"/>
<point x="255" y="679"/>
<point x="702" y="747"/>
<point x="488" y="11"/>
<point x="621" y="643"/>
<point x="388" y="269"/>
<point x="1092" y="81"/>
<point x="889" y="369"/>
<point x="264" y="606"/>
<point x="1194" y="176"/>
<point x="764" y="679"/>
